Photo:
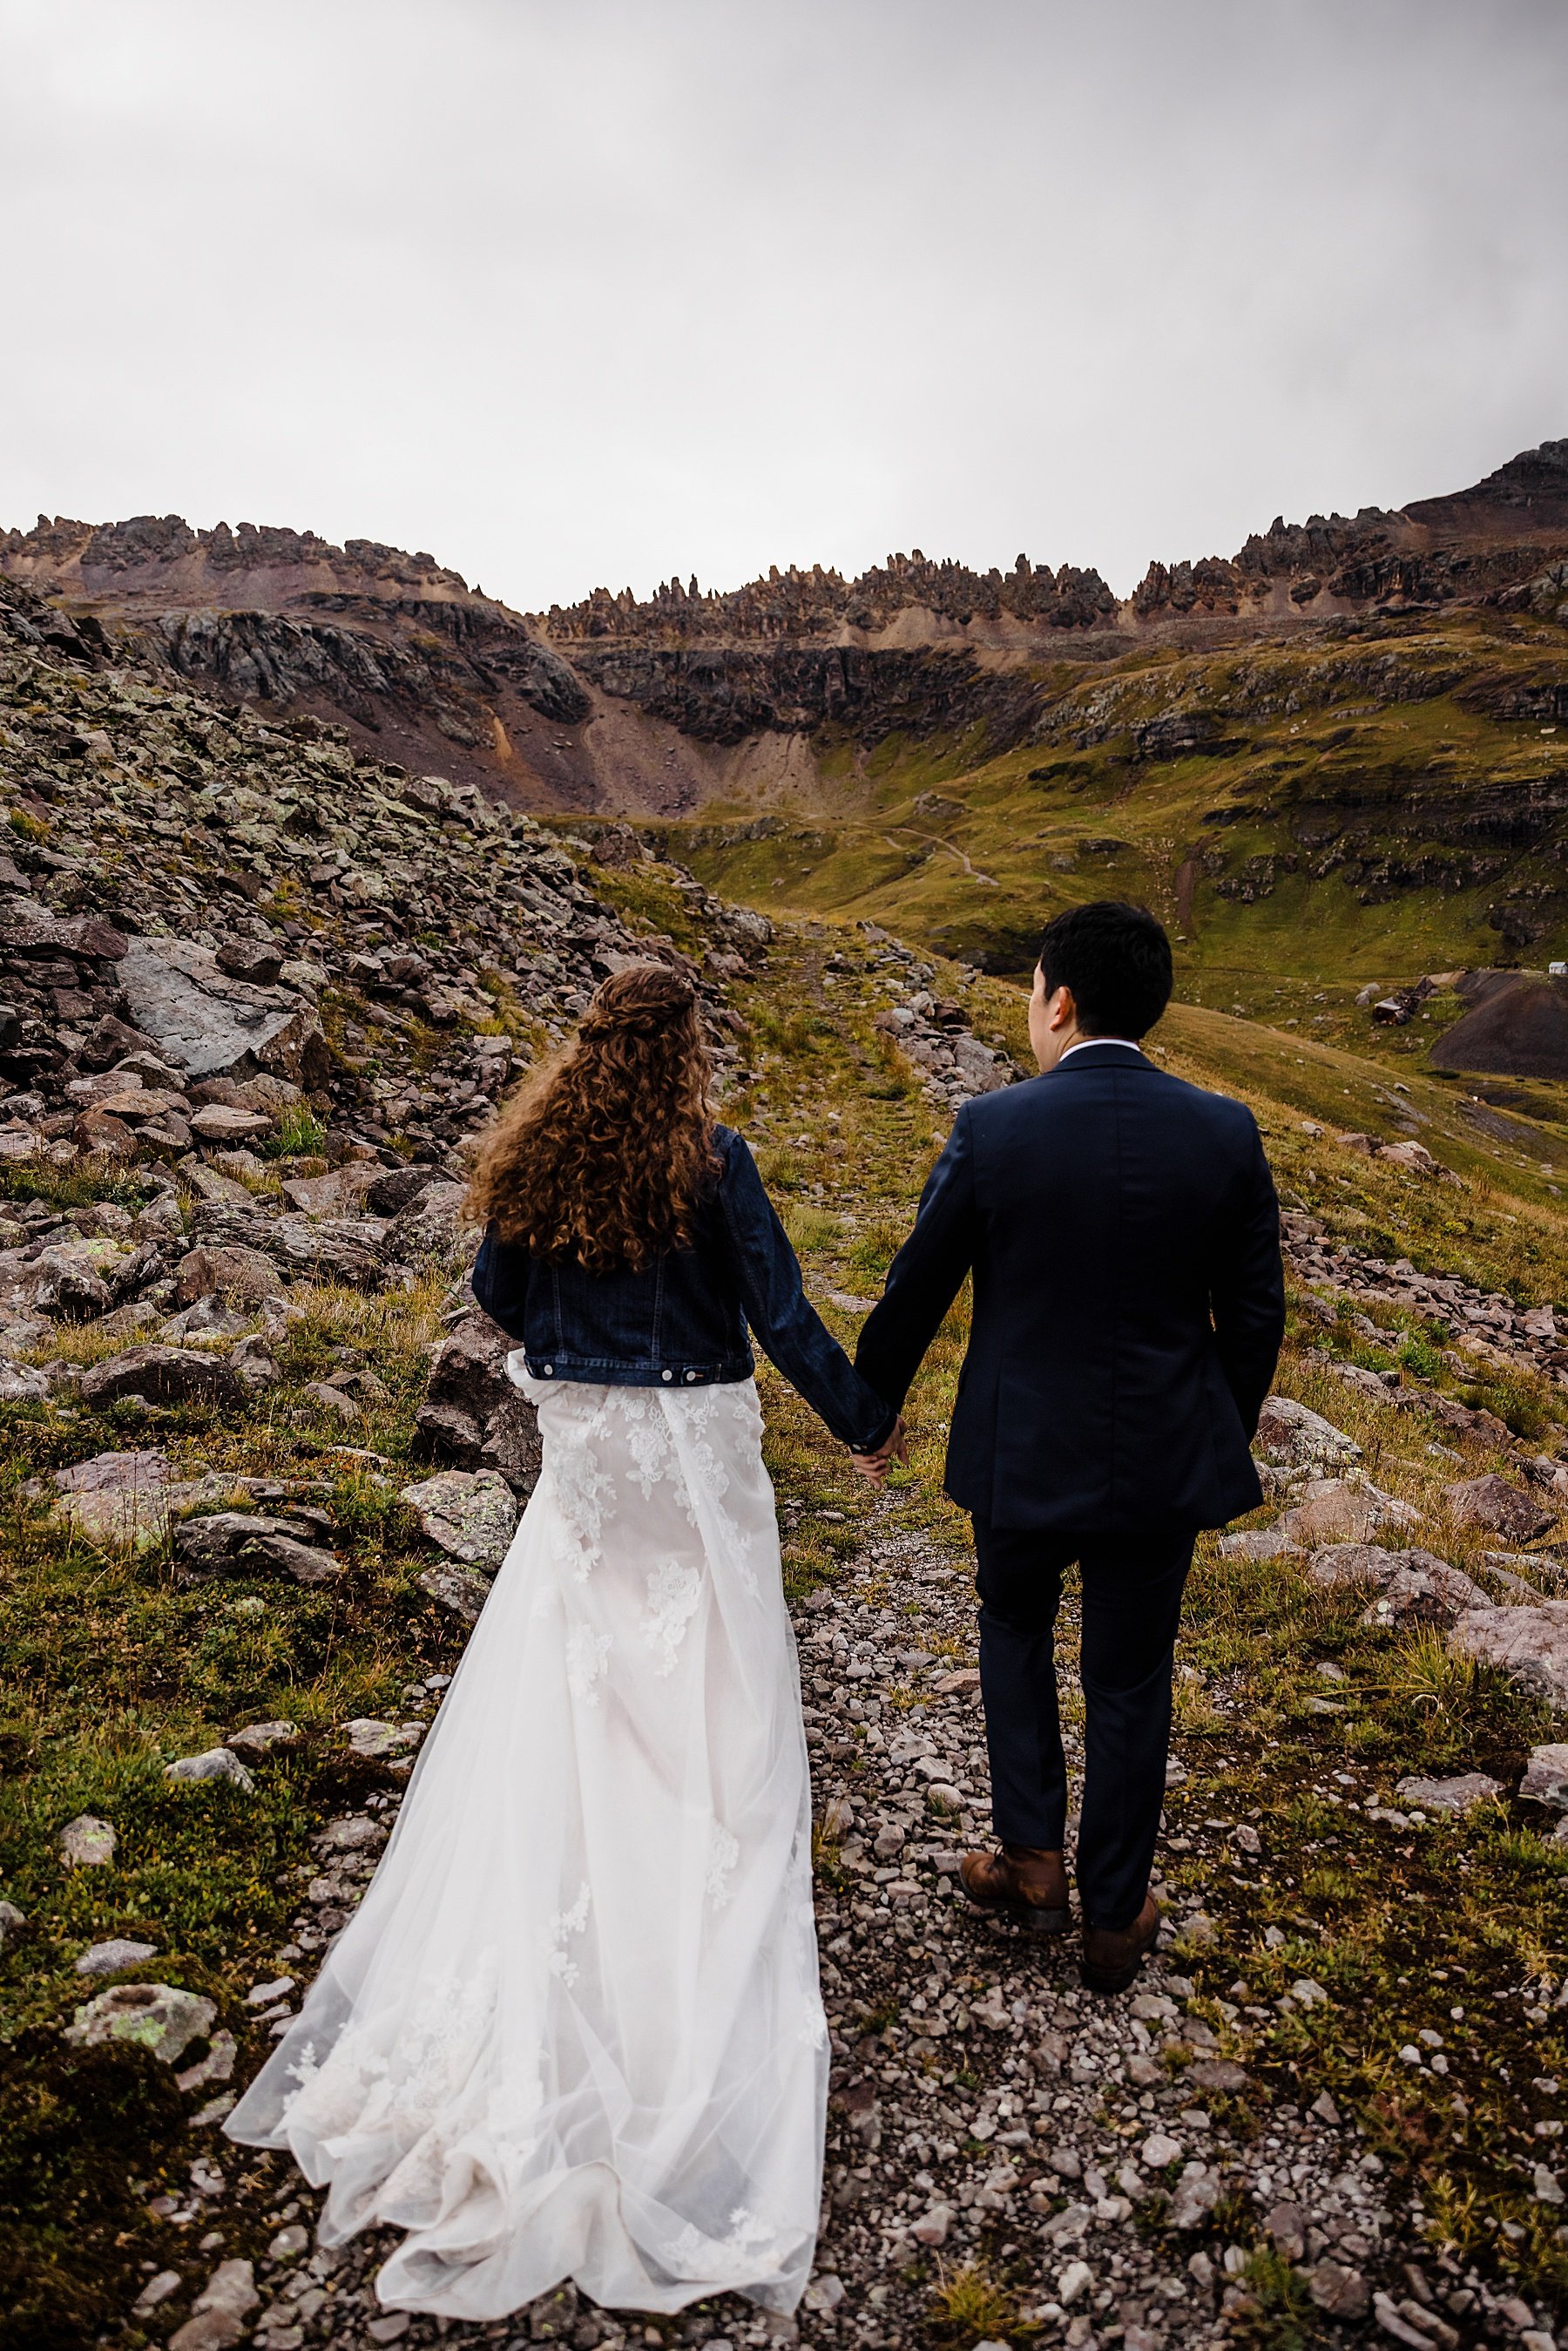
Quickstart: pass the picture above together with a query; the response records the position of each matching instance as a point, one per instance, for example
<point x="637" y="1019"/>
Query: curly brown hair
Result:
<point x="603" y="1155"/>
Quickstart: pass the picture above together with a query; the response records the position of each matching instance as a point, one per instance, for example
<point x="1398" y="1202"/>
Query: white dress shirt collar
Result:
<point x="1083" y="1044"/>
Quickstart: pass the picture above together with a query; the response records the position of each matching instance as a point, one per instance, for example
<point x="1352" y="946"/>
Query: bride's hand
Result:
<point x="895" y="1446"/>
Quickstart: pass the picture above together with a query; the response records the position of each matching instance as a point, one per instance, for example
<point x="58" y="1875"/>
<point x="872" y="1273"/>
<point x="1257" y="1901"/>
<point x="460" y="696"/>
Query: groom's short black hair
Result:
<point x="1116" y="958"/>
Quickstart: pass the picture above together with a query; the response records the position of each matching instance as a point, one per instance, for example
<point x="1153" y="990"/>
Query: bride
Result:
<point x="574" y="2029"/>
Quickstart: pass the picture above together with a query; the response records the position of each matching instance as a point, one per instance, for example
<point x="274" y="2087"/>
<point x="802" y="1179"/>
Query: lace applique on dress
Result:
<point x="724" y="1852"/>
<point x="583" y="1493"/>
<point x="585" y="1653"/>
<point x="674" y="1589"/>
<point x="707" y="1475"/>
<point x="564" y="1924"/>
<point x="647" y="1440"/>
<point x="356" y="2086"/>
<point x="747" y="2253"/>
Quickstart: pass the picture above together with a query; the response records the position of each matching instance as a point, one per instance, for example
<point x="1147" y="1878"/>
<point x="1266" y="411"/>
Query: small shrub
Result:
<point x="968" y="2307"/>
<point x="300" y="1133"/>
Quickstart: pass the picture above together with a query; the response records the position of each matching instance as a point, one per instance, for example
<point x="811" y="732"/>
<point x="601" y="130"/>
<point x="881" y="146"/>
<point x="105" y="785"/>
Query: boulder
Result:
<point x="1344" y="1509"/>
<point x="218" y="1122"/>
<point x="69" y="1280"/>
<point x="978" y="1066"/>
<point x="218" y="2314"/>
<point x="116" y="1498"/>
<point x="1290" y="1436"/>
<point x="457" y="1588"/>
<point x="1409" y="1154"/>
<point x="346" y="1249"/>
<point x="372" y="1740"/>
<point x="1498" y="1508"/>
<point x="474" y="1416"/>
<point x="259" y="961"/>
<point x="1348" y="1509"/>
<point x="429" y="1230"/>
<point x="1546" y="1777"/>
<point x="216" y="1763"/>
<point x="237" y="1542"/>
<point x="333" y="1192"/>
<point x="254" y="1365"/>
<point x="470" y="1514"/>
<point x="392" y="1189"/>
<point x="261" y="1737"/>
<point x="1460" y="1795"/>
<point x="1529" y="1645"/>
<point x="109" y="1958"/>
<point x="204" y="1022"/>
<point x="1408" y="1584"/>
<point x="22" y="1383"/>
<point x="86" y="1843"/>
<point x="154" y="2016"/>
<point x="163" y="1375"/>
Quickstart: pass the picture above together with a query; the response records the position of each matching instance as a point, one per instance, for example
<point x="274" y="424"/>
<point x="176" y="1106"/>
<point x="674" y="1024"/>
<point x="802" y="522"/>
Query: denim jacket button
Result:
<point x="549" y="1371"/>
<point x="690" y="1376"/>
<point x="666" y="1375"/>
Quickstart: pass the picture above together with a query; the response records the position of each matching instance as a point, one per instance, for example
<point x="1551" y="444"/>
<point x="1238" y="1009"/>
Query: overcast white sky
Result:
<point x="572" y="291"/>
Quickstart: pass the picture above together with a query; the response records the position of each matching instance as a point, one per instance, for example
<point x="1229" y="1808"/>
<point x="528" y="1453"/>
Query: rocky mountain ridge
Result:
<point x="619" y="704"/>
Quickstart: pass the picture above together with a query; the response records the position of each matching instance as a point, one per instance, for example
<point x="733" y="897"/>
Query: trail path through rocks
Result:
<point x="1112" y="2160"/>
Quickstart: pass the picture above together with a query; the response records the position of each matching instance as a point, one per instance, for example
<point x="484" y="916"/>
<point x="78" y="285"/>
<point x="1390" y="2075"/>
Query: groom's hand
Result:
<point x="895" y="1446"/>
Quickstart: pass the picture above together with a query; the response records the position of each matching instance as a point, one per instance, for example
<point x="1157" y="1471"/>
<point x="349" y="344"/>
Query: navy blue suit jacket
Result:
<point x="1123" y="1233"/>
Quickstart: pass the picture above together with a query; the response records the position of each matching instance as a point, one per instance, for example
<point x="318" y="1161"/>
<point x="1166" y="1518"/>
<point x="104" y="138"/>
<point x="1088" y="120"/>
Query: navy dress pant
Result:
<point x="1132" y="1601"/>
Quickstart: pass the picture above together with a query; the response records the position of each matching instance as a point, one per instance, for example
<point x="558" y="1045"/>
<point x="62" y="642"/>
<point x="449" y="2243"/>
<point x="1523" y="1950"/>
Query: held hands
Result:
<point x="895" y="1446"/>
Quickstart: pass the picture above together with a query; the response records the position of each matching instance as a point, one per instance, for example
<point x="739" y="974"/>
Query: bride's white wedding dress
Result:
<point x="574" y="2029"/>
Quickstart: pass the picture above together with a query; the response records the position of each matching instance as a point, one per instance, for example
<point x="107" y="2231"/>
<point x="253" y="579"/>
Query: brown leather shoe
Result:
<point x="1113" y="1955"/>
<point x="1019" y="1883"/>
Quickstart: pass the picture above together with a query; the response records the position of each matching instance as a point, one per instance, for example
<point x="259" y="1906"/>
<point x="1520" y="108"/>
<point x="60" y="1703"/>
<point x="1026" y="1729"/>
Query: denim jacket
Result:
<point x="681" y="1322"/>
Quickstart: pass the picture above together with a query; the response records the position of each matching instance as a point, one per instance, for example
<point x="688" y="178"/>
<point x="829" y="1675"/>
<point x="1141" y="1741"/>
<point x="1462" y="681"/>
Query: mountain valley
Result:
<point x="273" y="941"/>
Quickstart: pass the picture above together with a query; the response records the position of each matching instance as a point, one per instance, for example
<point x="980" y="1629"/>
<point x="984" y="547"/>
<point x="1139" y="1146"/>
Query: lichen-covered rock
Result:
<point x="471" y="1514"/>
<point x="457" y="1588"/>
<point x="155" y="2016"/>
<point x="242" y="1542"/>
<point x="1498" y="1508"/>
<point x="116" y="1498"/>
<point x="1459" y="1796"/>
<point x="371" y="1739"/>
<point x="216" y="1763"/>
<point x="1411" y="1585"/>
<point x="162" y="1375"/>
<point x="1291" y="1436"/>
<point x="109" y="1958"/>
<point x="86" y="1843"/>
<point x="1529" y="1645"/>
<point x="1546" y="1777"/>
<point x="474" y="1416"/>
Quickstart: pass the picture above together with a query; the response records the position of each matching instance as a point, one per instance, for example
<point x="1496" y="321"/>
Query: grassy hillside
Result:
<point x="1376" y="800"/>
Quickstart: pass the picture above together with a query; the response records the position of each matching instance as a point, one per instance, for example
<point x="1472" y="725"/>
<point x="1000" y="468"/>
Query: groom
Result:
<point x="1123" y="1234"/>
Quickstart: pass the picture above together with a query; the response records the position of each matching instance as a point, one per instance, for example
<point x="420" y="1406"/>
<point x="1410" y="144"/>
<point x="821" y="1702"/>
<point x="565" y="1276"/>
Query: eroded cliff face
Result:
<point x="614" y="705"/>
<point x="395" y="645"/>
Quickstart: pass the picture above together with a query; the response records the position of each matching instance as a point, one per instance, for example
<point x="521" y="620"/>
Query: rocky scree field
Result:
<point x="260" y="1462"/>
